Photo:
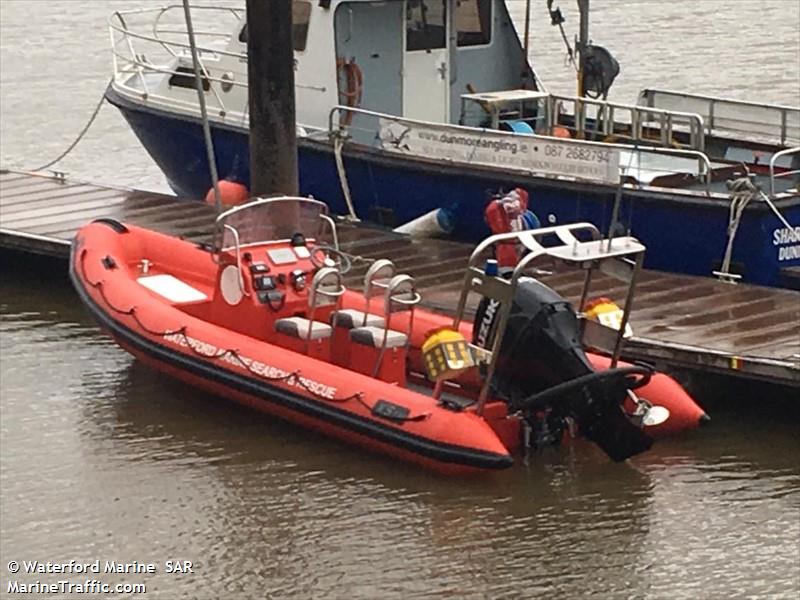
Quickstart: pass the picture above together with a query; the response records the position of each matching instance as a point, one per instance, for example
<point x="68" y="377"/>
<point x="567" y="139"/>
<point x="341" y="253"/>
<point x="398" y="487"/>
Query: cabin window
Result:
<point x="184" y="77"/>
<point x="301" y="15"/>
<point x="473" y="22"/>
<point x="426" y="24"/>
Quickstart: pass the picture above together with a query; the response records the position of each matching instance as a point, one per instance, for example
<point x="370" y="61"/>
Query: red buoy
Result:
<point x="231" y="193"/>
<point x="561" y="132"/>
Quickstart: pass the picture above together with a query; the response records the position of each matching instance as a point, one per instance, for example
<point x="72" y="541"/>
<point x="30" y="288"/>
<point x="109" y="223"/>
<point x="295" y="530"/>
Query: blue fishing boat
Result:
<point x="408" y="106"/>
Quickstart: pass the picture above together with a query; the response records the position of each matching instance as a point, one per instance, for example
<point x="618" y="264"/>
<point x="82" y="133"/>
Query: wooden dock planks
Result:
<point x="678" y="320"/>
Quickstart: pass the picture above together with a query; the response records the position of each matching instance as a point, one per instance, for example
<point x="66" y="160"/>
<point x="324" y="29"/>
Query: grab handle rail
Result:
<point x="399" y="286"/>
<point x="235" y="235"/>
<point x="332" y="224"/>
<point x="378" y="276"/>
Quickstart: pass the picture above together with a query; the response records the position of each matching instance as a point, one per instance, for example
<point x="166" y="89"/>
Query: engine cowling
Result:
<point x="542" y="367"/>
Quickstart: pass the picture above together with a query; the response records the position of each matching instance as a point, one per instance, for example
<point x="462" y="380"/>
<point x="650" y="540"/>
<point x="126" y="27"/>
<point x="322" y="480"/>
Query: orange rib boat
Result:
<point x="261" y="317"/>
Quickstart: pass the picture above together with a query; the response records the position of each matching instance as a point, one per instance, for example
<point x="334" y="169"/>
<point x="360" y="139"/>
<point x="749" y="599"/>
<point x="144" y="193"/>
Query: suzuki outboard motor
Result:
<point x="542" y="369"/>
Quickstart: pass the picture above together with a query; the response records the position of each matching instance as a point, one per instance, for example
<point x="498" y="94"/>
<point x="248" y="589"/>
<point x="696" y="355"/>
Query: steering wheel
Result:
<point x="328" y="256"/>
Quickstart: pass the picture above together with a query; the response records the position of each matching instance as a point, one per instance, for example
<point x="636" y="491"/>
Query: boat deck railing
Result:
<point x="586" y="118"/>
<point x="722" y="116"/>
<point x="773" y="175"/>
<point x="629" y="122"/>
<point x="145" y="44"/>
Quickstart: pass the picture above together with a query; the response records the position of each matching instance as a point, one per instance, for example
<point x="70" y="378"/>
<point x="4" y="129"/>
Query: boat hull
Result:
<point x="241" y="369"/>
<point x="684" y="230"/>
<point x="166" y="301"/>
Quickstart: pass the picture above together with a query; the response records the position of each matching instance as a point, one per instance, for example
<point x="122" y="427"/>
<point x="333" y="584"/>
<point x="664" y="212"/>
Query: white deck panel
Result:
<point x="171" y="288"/>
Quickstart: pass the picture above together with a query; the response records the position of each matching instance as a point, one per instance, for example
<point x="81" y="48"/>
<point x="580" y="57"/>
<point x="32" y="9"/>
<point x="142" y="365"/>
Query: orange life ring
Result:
<point x="351" y="95"/>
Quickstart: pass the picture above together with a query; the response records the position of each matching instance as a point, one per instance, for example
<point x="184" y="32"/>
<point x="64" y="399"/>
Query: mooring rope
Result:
<point x="338" y="144"/>
<point x="741" y="195"/>
<point x="743" y="191"/>
<point x="292" y="378"/>
<point x="80" y="135"/>
<point x="774" y="209"/>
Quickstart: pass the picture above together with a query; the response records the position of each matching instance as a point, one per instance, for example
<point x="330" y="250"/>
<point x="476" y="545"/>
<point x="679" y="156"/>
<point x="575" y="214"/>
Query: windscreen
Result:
<point x="271" y="220"/>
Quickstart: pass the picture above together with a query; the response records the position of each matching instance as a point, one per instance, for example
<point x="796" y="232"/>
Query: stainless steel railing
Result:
<point x="166" y="42"/>
<point x="588" y="118"/>
<point x="154" y="42"/>
<point x="773" y="159"/>
<point x="611" y="117"/>
<point x="759" y="121"/>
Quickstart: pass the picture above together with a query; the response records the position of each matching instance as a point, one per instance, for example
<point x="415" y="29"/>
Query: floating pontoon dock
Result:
<point x="679" y="321"/>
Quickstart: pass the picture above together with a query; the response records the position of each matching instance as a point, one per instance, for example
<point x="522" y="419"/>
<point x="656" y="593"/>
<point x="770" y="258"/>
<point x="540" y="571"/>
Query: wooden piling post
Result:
<point x="270" y="70"/>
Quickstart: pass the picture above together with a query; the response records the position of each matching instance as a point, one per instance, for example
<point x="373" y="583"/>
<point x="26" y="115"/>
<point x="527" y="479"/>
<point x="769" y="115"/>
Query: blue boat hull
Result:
<point x="685" y="233"/>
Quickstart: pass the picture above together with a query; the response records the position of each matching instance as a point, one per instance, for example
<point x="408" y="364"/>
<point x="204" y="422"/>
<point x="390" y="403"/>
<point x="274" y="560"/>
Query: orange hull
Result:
<point x="233" y="350"/>
<point x="253" y="372"/>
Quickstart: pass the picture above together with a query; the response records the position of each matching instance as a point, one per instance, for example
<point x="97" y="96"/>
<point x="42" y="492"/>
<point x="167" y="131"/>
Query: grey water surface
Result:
<point x="101" y="459"/>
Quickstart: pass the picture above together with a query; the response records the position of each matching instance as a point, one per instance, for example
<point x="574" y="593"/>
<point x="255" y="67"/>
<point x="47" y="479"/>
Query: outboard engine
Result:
<point x="542" y="370"/>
